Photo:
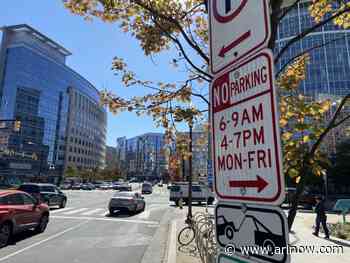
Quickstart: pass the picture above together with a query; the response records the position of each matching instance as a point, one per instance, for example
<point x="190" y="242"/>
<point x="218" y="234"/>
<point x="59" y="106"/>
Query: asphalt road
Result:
<point x="84" y="232"/>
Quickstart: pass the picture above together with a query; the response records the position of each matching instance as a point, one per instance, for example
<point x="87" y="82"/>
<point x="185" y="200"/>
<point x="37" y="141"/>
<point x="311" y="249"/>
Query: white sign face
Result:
<point x="257" y="232"/>
<point x="237" y="29"/>
<point x="245" y="133"/>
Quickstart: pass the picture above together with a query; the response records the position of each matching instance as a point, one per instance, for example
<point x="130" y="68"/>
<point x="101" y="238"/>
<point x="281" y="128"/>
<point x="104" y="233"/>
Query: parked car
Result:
<point x="87" y="186"/>
<point x="125" y="188"/>
<point x="19" y="211"/>
<point x="146" y="188"/>
<point x="126" y="201"/>
<point x="200" y="193"/>
<point x="65" y="186"/>
<point x="47" y="193"/>
<point x="76" y="186"/>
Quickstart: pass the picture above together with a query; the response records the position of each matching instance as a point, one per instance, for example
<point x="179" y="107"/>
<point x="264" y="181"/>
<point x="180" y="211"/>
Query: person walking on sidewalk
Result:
<point x="321" y="217"/>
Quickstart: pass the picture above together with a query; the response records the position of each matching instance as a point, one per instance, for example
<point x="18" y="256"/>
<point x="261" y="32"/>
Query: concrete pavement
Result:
<point x="339" y="250"/>
<point x="84" y="232"/>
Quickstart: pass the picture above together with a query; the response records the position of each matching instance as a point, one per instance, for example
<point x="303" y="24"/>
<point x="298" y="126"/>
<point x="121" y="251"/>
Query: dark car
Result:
<point x="224" y="227"/>
<point x="87" y="186"/>
<point x="125" y="188"/>
<point x="47" y="193"/>
<point x="146" y="188"/>
<point x="18" y="212"/>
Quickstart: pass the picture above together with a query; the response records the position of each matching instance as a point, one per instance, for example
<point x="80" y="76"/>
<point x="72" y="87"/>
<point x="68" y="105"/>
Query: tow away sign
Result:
<point x="238" y="28"/>
<point x="245" y="133"/>
<point x="257" y="232"/>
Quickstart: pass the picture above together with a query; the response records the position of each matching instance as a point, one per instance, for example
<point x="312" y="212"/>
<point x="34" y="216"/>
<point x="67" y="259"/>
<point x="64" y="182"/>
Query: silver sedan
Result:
<point x="126" y="201"/>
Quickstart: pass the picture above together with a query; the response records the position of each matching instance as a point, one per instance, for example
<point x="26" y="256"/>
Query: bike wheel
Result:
<point x="186" y="236"/>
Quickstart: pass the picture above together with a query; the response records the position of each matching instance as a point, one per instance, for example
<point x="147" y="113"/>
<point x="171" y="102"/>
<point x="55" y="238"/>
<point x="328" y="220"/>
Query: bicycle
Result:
<point x="187" y="234"/>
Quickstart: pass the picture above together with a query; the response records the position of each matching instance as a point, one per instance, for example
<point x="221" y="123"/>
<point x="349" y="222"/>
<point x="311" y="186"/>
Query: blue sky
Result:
<point x="94" y="44"/>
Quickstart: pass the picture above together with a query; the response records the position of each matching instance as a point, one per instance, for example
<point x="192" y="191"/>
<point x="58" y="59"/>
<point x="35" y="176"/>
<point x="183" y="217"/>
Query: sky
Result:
<point x="94" y="44"/>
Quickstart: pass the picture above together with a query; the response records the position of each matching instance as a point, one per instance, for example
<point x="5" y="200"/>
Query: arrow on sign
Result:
<point x="233" y="44"/>
<point x="259" y="183"/>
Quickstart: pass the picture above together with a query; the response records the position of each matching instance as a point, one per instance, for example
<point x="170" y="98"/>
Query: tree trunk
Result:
<point x="300" y="189"/>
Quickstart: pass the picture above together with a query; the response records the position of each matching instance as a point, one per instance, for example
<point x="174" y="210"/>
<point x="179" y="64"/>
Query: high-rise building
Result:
<point x="62" y="123"/>
<point x="199" y="155"/>
<point x="111" y="157"/>
<point x="142" y="156"/>
<point x="329" y="66"/>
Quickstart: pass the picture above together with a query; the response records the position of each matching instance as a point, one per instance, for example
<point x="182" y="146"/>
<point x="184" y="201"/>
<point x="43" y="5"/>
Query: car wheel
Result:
<point x="44" y="220"/>
<point x="229" y="232"/>
<point x="5" y="234"/>
<point x="111" y="212"/>
<point x="63" y="203"/>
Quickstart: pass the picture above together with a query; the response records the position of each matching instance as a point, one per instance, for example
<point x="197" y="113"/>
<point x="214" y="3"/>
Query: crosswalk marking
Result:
<point x="94" y="211"/>
<point x="62" y="209"/>
<point x="75" y="211"/>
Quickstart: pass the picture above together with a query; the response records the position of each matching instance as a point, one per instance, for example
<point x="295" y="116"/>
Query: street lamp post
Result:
<point x="189" y="215"/>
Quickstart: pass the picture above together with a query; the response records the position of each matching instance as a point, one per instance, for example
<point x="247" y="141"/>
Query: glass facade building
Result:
<point x="329" y="67"/>
<point x="44" y="94"/>
<point x="142" y="156"/>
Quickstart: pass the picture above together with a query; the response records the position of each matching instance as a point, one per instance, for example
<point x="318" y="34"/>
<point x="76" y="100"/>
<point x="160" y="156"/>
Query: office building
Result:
<point x="62" y="123"/>
<point x="142" y="156"/>
<point x="329" y="66"/>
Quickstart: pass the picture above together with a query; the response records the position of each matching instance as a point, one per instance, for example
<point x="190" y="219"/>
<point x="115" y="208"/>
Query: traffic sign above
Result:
<point x="238" y="28"/>
<point x="245" y="133"/>
<point x="259" y="232"/>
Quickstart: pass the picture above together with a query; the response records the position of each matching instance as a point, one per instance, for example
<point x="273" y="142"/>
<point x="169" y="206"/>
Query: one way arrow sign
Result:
<point x="259" y="183"/>
<point x="238" y="28"/>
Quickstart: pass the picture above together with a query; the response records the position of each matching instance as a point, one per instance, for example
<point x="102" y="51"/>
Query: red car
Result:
<point x="20" y="211"/>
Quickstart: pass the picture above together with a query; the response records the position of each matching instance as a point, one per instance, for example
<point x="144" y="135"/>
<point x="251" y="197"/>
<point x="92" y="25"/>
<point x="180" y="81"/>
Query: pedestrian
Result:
<point x="181" y="200"/>
<point x="321" y="217"/>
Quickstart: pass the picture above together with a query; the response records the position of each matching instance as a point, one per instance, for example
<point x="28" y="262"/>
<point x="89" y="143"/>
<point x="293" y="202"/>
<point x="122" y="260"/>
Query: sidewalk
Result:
<point x="301" y="236"/>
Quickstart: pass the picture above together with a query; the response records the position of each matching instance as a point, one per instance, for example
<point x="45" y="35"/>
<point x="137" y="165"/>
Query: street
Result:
<point x="84" y="232"/>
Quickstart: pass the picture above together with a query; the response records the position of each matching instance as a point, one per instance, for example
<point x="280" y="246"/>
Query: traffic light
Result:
<point x="17" y="126"/>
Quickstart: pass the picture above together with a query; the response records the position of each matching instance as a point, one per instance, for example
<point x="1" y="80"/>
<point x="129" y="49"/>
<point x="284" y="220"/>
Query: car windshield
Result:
<point x="123" y="194"/>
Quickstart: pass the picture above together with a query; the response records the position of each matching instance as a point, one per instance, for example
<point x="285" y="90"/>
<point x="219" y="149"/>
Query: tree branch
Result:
<point x="180" y="46"/>
<point x="306" y="51"/>
<point x="178" y="26"/>
<point x="288" y="9"/>
<point x="308" y="31"/>
<point x="330" y="126"/>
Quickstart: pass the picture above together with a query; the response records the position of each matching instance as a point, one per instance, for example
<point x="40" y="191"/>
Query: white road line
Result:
<point x="107" y="219"/>
<point x="43" y="241"/>
<point x="75" y="211"/>
<point x="61" y="210"/>
<point x="172" y="244"/>
<point x="94" y="211"/>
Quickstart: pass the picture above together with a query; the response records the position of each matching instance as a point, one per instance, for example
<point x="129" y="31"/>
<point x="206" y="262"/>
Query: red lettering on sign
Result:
<point x="225" y="89"/>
